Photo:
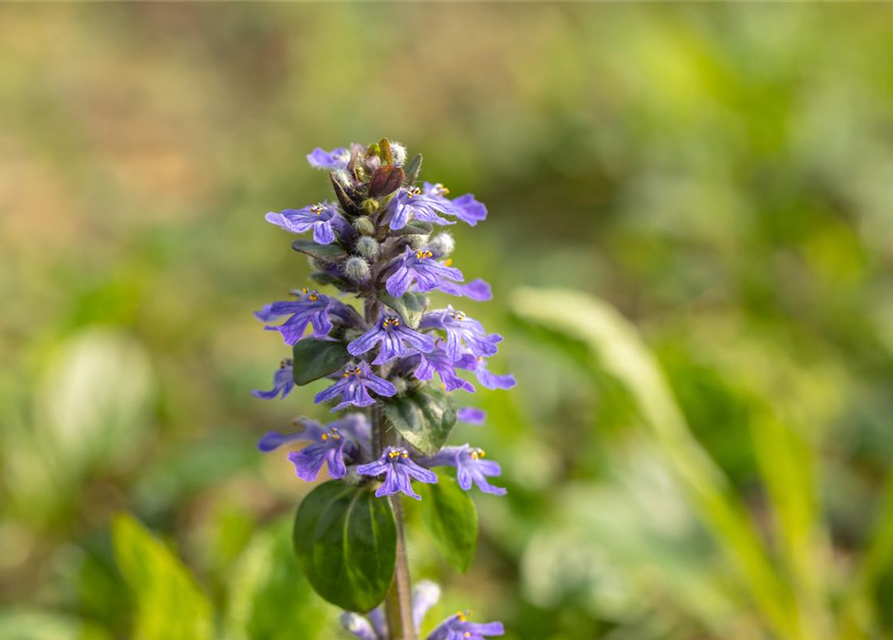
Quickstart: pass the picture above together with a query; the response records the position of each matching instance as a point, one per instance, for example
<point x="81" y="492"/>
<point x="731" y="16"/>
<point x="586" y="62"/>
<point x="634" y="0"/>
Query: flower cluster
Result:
<point x="381" y="240"/>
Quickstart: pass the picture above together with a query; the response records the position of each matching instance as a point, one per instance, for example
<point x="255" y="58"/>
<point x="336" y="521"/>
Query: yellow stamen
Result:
<point x="447" y="262"/>
<point x="325" y="436"/>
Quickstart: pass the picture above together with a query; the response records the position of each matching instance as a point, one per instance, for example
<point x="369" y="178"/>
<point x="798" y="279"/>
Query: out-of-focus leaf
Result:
<point x="94" y="399"/>
<point x="411" y="306"/>
<point x="600" y="543"/>
<point x="424" y="417"/>
<point x="449" y="515"/>
<point x="169" y="604"/>
<point x="346" y="540"/>
<point x="615" y="345"/>
<point x="36" y="624"/>
<point x="314" y="359"/>
<point x="325" y="252"/>
<point x="269" y="598"/>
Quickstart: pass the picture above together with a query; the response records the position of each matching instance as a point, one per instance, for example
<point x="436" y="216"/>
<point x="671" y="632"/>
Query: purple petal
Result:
<point x="319" y="158"/>
<point x="309" y="461"/>
<point x="478" y="290"/>
<point x="399" y="281"/>
<point x="419" y="473"/>
<point x="365" y="342"/>
<point x="322" y="232"/>
<point x="471" y="415"/>
<point x="469" y="210"/>
<point x="273" y="440"/>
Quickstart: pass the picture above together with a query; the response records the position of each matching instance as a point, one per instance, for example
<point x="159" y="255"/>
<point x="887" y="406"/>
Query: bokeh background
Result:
<point x="710" y="461"/>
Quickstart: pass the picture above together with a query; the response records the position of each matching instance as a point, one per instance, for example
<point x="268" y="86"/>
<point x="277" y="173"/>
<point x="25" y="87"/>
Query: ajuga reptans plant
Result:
<point x="378" y="250"/>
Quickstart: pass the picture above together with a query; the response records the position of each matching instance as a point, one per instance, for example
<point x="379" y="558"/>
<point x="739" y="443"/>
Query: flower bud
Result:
<point x="400" y="384"/>
<point x="442" y="244"/>
<point x="356" y="269"/>
<point x="416" y="241"/>
<point x="368" y="247"/>
<point x="399" y="153"/>
<point x="370" y="205"/>
<point x="364" y="226"/>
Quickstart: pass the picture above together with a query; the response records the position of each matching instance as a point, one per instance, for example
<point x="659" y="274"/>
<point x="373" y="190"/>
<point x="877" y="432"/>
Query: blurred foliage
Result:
<point x="720" y="174"/>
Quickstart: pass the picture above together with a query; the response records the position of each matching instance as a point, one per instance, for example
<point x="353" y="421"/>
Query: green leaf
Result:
<point x="346" y="541"/>
<point x="424" y="417"/>
<point x="416" y="227"/>
<point x="315" y="359"/>
<point x="169" y="604"/>
<point x="325" y="252"/>
<point x="449" y="515"/>
<point x="411" y="305"/>
<point x="412" y="169"/>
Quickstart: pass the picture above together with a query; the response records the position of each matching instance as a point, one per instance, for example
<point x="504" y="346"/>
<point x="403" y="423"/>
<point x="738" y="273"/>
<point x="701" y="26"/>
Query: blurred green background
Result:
<point x="721" y="175"/>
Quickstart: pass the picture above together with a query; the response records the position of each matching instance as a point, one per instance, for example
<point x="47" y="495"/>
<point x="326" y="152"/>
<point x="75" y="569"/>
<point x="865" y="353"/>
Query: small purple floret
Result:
<point x="311" y="308"/>
<point x="318" y="217"/>
<point x="437" y="361"/>
<point x="283" y="382"/>
<point x="466" y="208"/>
<point x="354" y="387"/>
<point x="399" y="470"/>
<point x="396" y="339"/>
<point x="471" y="467"/>
<point x="460" y="329"/>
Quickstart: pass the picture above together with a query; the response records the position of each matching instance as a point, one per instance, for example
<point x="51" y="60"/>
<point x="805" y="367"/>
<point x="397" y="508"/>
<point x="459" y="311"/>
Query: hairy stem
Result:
<point x="398" y="602"/>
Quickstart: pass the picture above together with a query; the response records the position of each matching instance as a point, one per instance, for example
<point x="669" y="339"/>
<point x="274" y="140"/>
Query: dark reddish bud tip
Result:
<point x="385" y="180"/>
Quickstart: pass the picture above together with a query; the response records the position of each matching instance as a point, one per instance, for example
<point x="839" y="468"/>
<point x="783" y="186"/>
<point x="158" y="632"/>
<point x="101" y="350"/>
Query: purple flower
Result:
<point x="319" y="217"/>
<point x="461" y="329"/>
<point x="471" y="415"/>
<point x="354" y="388"/>
<point x="437" y="361"/>
<point x="283" y="382"/>
<point x="466" y="208"/>
<point x="311" y="308"/>
<point x="471" y="467"/>
<point x="420" y="267"/>
<point x="399" y="471"/>
<point x="425" y="595"/>
<point x="341" y="439"/>
<point x="334" y="159"/>
<point x="358" y="626"/>
<point x="491" y="380"/>
<point x="411" y="203"/>
<point x="396" y="339"/>
<point x="457" y="627"/>
<point x="478" y="290"/>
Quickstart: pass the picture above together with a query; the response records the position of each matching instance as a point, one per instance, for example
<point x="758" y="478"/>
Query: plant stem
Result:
<point x="398" y="602"/>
